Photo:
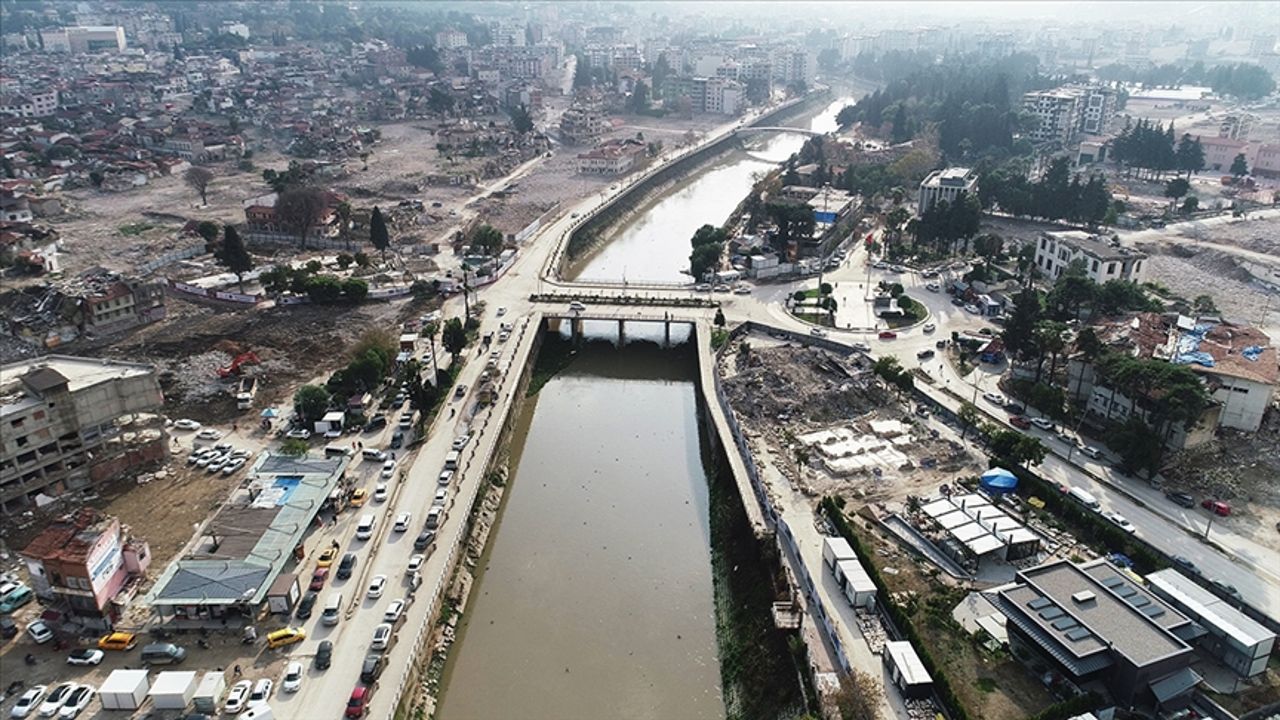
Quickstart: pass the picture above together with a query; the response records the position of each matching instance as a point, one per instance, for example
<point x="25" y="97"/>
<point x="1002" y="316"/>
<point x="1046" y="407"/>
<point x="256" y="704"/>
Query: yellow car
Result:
<point x="359" y="497"/>
<point x="117" y="641"/>
<point x="327" y="556"/>
<point x="286" y="636"/>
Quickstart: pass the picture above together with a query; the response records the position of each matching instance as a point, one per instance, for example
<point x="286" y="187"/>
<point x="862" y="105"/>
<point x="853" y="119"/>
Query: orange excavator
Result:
<point x="247" y="358"/>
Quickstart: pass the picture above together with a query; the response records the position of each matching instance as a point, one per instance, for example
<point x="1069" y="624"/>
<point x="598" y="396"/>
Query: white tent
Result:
<point x="124" y="690"/>
<point x="173" y="690"/>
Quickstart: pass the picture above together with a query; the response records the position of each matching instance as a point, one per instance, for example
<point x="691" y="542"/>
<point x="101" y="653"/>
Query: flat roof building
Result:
<point x="906" y="669"/>
<point x="1103" y="261"/>
<point x="1239" y="642"/>
<point x="947" y="185"/>
<point x="243" y="548"/>
<point x="58" y="414"/>
<point x="1096" y="627"/>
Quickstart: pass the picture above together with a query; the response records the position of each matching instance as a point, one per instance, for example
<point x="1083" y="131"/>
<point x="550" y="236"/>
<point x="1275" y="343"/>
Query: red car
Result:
<point x="1020" y="422"/>
<point x="888" y="335"/>
<point x="359" y="702"/>
<point x="318" y="578"/>
<point x="1217" y="507"/>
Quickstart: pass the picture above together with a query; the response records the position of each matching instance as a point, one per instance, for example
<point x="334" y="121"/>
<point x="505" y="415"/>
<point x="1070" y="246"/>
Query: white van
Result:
<point x="332" y="609"/>
<point x="451" y="460"/>
<point x="364" y="530"/>
<point x="1084" y="498"/>
<point x="373" y="454"/>
<point x="332" y="451"/>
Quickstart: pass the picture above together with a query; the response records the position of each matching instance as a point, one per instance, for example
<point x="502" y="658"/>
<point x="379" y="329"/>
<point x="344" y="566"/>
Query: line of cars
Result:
<point x="65" y="701"/>
<point x="221" y="457"/>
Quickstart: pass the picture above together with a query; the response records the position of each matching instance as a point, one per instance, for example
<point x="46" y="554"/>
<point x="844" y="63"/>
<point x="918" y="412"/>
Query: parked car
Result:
<point x="238" y="697"/>
<point x="298" y="434"/>
<point x="415" y="564"/>
<point x="327" y="556"/>
<point x="86" y="656"/>
<point x="1184" y="564"/>
<point x="1186" y="500"/>
<point x="208" y="434"/>
<point x="29" y="701"/>
<point x="424" y="540"/>
<point x="994" y="398"/>
<point x="359" y="497"/>
<point x="861" y="346"/>
<point x="358" y="703"/>
<point x="925" y="354"/>
<point x="1120" y="521"/>
<point x="1217" y="507"/>
<point x="970" y="308"/>
<point x="285" y="636"/>
<point x="933" y="287"/>
<point x="233" y="465"/>
<point x="261" y="692"/>
<point x="818" y="332"/>
<point x="186" y="424"/>
<point x="306" y="605"/>
<point x="381" y="637"/>
<point x="1014" y="408"/>
<point x="371" y="668"/>
<point x="930" y="327"/>
<point x="392" y="614"/>
<point x="1227" y="589"/>
<point x="346" y="566"/>
<point x="40" y="632"/>
<point x="77" y="701"/>
<point x="117" y="641"/>
<point x="1042" y="423"/>
<point x="318" y="577"/>
<point x="56" y="699"/>
<point x="376" y="586"/>
<point x="441" y="498"/>
<point x="888" y="335"/>
<point x="461" y="441"/>
<point x="324" y="655"/>
<point x="1020" y="422"/>
<point x="292" y="681"/>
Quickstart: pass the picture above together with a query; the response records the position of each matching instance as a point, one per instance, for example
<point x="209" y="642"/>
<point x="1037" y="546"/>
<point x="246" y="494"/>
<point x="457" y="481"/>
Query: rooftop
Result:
<point x="1093" y="246"/>
<point x="952" y="176"/>
<point x="240" y="551"/>
<point x="22" y="382"/>
<point x="1209" y="609"/>
<point x="69" y="538"/>
<point x="1211" y="348"/>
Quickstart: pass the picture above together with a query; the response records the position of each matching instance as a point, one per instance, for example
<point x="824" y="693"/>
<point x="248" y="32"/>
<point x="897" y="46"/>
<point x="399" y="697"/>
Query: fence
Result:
<point x="172" y="256"/>
<point x="208" y="294"/>
<point x="784" y="537"/>
<point x="489" y="441"/>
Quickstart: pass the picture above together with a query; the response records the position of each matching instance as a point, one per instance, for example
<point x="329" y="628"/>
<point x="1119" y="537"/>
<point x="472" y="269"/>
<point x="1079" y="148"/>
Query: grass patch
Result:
<point x="554" y="356"/>
<point x="986" y="684"/>
<point x="134" y="229"/>
<point x="821" y="317"/>
<point x="719" y="336"/>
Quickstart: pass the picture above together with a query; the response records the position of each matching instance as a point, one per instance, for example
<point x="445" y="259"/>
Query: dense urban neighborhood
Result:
<point x="684" y="360"/>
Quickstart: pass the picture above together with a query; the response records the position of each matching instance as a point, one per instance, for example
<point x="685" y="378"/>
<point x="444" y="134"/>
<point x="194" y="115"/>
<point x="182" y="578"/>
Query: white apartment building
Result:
<point x="451" y="39"/>
<point x="84" y="39"/>
<point x="1057" y="115"/>
<point x="947" y="184"/>
<point x="30" y="105"/>
<point x="1103" y="261"/>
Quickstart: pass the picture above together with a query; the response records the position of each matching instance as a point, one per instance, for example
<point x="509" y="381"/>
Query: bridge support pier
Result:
<point x="666" y="329"/>
<point x="576" y="329"/>
<point x="622" y="333"/>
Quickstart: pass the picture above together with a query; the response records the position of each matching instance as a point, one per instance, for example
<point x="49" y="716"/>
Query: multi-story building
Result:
<point x="84" y="39"/>
<point x="451" y="39"/>
<point x="1057" y="114"/>
<point x="1099" y="628"/>
<point x="947" y="185"/>
<point x="1103" y="261"/>
<point x="58" y="415"/>
<point x="716" y="95"/>
<point x="793" y="66"/>
<point x="84" y="563"/>
<point x="584" y="121"/>
<point x="29" y="105"/>
<point x="1240" y="642"/>
<point x="264" y="225"/>
<point x="1220" y="152"/>
<point x="1097" y="108"/>
<point x="1266" y="160"/>
<point x="611" y="158"/>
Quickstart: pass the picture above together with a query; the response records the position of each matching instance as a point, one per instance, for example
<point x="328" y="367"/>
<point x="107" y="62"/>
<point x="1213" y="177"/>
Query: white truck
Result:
<point x="245" y="392"/>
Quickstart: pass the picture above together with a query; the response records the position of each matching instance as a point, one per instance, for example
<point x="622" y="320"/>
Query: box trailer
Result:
<point x="906" y="670"/>
<point x="124" y="690"/>
<point x="173" y="690"/>
<point x="858" y="588"/>
<point x="284" y="593"/>
<point x="208" y="697"/>
<point x="835" y="549"/>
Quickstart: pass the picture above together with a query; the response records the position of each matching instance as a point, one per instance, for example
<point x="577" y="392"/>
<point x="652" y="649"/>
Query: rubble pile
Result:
<point x="1233" y="465"/>
<point x="194" y="378"/>
<point x="800" y="384"/>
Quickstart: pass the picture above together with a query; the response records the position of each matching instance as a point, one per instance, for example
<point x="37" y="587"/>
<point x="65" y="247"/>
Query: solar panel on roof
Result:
<point x="1126" y="591"/>
<point x="1153" y="611"/>
<point x="1065" y="623"/>
<point x="1040" y="603"/>
<point x="1077" y="634"/>
<point x="1051" y="613"/>
<point x="1139" y="601"/>
<point x="1113" y="581"/>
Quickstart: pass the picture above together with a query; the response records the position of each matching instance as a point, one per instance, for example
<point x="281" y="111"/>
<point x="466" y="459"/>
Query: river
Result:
<point x="654" y="245"/>
<point x="596" y="597"/>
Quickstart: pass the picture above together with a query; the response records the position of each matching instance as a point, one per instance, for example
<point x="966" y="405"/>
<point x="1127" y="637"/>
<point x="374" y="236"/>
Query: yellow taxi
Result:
<point x="327" y="556"/>
<point x="117" y="641"/>
<point x="359" y="497"/>
<point x="286" y="636"/>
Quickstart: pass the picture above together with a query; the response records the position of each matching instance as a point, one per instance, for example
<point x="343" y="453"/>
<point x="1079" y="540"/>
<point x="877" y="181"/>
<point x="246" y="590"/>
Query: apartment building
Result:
<point x="88" y="564"/>
<point x="715" y="95"/>
<point x="1220" y="152"/>
<point x="584" y="121"/>
<point x="58" y="415"/>
<point x="947" y="184"/>
<point x="1063" y="112"/>
<point x="29" y="105"/>
<point x="84" y="39"/>
<point x="611" y="158"/>
<point x="451" y="39"/>
<point x="1102" y="260"/>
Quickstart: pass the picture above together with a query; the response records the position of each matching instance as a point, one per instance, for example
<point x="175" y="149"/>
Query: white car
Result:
<point x="376" y="586"/>
<point x="818" y="332"/>
<point x="1119" y="521"/>
<point x="380" y="492"/>
<point x="933" y="287"/>
<point x="241" y="453"/>
<point x="77" y="701"/>
<point x="442" y="496"/>
<point x="333" y="434"/>
<point x="994" y="398"/>
<point x="402" y="522"/>
<point x="208" y="459"/>
<point x="185" y="424"/>
<point x="233" y="465"/>
<point x="238" y="697"/>
<point x="292" y="681"/>
<point x="261" y="692"/>
<point x="742" y="290"/>
<point x="501" y="311"/>
<point x="461" y="441"/>
<point x="29" y="701"/>
<point x="87" y="656"/>
<point x="861" y="347"/>
<point x="393" y="611"/>
<point x="971" y="308"/>
<point x="1042" y="423"/>
<point x="197" y="454"/>
<point x="388" y="469"/>
<point x="218" y="463"/>
<point x="209" y="434"/>
<point x="415" y="564"/>
<point x="299" y="434"/>
<point x="40" y="632"/>
<point x="56" y="699"/>
<point x="930" y="327"/>
<point x="381" y="637"/>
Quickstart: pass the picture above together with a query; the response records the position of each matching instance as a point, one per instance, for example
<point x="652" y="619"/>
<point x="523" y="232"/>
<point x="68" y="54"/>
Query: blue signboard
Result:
<point x="824" y="217"/>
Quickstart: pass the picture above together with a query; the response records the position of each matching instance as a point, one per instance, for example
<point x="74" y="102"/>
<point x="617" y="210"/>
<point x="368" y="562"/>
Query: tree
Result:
<point x="430" y="331"/>
<point x="354" y="290"/>
<point x="294" y="447"/>
<point x="323" y="289"/>
<point x="1018" y="449"/>
<point x="1090" y="348"/>
<point x="233" y="255"/>
<point x="454" y="337"/>
<point x="207" y="230"/>
<point x="640" y="98"/>
<point x="198" y="179"/>
<point x="1204" y="305"/>
<point x="311" y="402"/>
<point x="299" y="209"/>
<point x="1190" y="205"/>
<point x="988" y="246"/>
<point x="521" y="119"/>
<point x="825" y="288"/>
<point x="708" y="244"/>
<point x="857" y="697"/>
<point x="1051" y="339"/>
<point x="1020" y="328"/>
<point x="487" y="240"/>
<point x="378" y="236"/>
<point x="968" y="416"/>
<point x="1175" y="189"/>
<point x="1190" y="154"/>
<point x="1240" y="166"/>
